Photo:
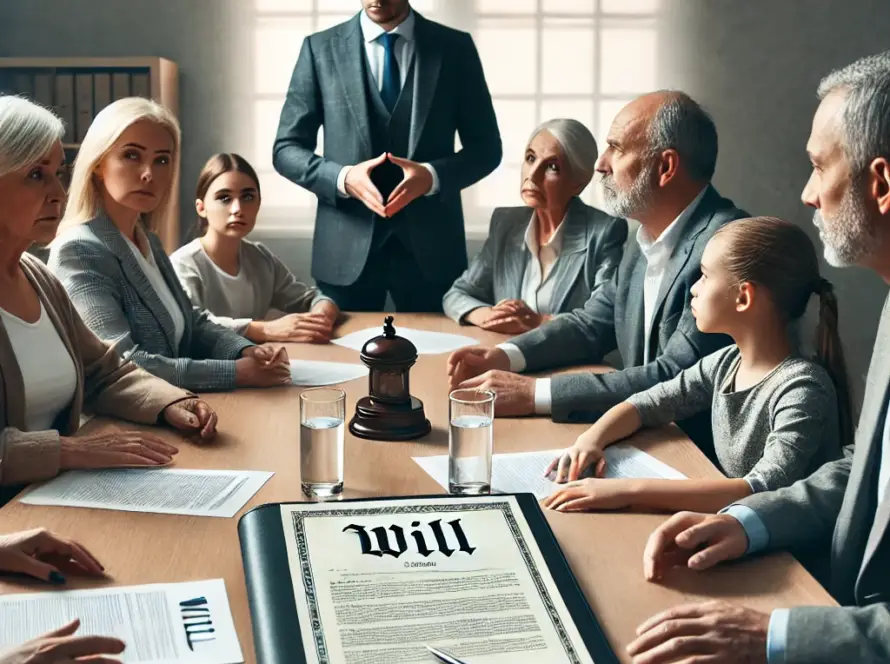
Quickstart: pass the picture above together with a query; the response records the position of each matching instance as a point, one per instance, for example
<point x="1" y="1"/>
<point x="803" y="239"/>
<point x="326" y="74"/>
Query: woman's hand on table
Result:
<point x="506" y="317"/>
<point x="115" y="449"/>
<point x="192" y="416"/>
<point x="262" y="366"/>
<point x="61" y="647"/>
<point x="40" y="554"/>
<point x="315" y="327"/>
<point x="592" y="494"/>
<point x="584" y="453"/>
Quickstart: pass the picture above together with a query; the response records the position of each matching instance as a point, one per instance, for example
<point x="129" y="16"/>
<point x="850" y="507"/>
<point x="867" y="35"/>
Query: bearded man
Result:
<point x="657" y="169"/>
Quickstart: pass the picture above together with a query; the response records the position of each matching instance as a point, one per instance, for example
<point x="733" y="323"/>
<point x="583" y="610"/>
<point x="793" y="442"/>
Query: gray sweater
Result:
<point x="263" y="283"/>
<point x="771" y="434"/>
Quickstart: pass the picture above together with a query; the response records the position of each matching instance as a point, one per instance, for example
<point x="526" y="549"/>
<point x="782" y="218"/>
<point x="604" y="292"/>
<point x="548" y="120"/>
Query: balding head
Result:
<point x="662" y="144"/>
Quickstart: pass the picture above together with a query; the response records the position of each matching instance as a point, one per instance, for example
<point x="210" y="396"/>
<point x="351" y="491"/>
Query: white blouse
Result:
<point x="537" y="286"/>
<point x="48" y="372"/>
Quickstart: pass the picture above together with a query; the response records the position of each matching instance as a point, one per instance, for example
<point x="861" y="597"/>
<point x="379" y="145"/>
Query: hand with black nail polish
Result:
<point x="45" y="556"/>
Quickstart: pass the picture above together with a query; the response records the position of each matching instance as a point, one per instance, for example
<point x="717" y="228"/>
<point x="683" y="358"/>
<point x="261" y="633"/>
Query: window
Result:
<point x="542" y="58"/>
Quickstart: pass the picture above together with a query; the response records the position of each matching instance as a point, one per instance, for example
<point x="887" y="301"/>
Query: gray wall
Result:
<point x="754" y="64"/>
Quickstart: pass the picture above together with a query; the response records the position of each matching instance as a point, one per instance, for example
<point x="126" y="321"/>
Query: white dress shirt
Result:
<point x="48" y="372"/>
<point x="150" y="268"/>
<point x="537" y="282"/>
<point x="404" y="48"/>
<point x="657" y="255"/>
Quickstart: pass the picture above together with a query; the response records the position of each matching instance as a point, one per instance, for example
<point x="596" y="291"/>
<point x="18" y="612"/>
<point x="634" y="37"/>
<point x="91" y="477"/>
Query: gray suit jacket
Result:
<point x="839" y="501"/>
<point x="450" y="95"/>
<point x="613" y="318"/>
<point x="118" y="303"/>
<point x="593" y="243"/>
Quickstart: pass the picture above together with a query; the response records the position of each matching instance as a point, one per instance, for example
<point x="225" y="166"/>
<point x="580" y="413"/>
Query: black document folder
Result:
<point x="270" y="589"/>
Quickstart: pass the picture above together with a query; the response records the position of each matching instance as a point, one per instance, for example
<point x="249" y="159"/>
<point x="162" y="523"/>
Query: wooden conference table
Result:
<point x="259" y="430"/>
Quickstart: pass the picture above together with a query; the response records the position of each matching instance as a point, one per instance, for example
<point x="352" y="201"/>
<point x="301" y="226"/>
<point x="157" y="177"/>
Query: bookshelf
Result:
<point x="78" y="88"/>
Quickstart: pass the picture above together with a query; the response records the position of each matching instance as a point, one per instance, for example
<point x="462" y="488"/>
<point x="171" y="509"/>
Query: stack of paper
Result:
<point x="161" y="490"/>
<point x="172" y="622"/>
<point x="314" y="373"/>
<point x="426" y="342"/>
<point x="523" y="472"/>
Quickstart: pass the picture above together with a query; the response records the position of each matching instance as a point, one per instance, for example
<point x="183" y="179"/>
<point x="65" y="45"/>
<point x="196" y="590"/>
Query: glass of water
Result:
<point x="322" y="412"/>
<point x="471" y="413"/>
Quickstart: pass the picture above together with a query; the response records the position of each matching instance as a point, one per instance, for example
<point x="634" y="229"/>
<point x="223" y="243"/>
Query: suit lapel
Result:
<point x="575" y="241"/>
<point x="349" y="51"/>
<point x="634" y="315"/>
<point x="428" y="61"/>
<point x="517" y="256"/>
<point x="134" y="273"/>
<point x="700" y="219"/>
<point x="871" y="431"/>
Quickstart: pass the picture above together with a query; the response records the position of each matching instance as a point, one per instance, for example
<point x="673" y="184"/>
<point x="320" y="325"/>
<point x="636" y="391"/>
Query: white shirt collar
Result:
<point x="372" y="31"/>
<point x="555" y="242"/>
<point x="667" y="241"/>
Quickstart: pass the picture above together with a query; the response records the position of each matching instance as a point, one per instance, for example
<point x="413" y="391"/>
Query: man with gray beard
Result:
<point x="657" y="168"/>
<point x="846" y="502"/>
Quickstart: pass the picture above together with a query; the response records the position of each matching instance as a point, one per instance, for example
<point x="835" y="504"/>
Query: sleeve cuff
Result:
<point x="517" y="359"/>
<point x="543" y="400"/>
<point x="432" y="169"/>
<point x="755" y="528"/>
<point x="757" y="484"/>
<point x="341" y="182"/>
<point x="777" y="636"/>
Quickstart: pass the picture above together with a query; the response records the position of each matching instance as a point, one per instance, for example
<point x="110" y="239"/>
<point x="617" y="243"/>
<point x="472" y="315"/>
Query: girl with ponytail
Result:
<point x="776" y="416"/>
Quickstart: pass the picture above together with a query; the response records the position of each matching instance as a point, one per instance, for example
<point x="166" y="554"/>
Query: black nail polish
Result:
<point x="56" y="578"/>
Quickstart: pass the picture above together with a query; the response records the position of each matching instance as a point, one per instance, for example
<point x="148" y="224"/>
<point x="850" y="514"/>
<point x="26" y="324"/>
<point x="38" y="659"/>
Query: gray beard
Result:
<point x="632" y="203"/>
<point x="848" y="239"/>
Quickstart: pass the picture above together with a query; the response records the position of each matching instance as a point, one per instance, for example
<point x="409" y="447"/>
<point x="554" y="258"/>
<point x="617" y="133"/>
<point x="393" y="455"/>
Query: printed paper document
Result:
<point x="161" y="490"/>
<point x="312" y="373"/>
<point x="160" y="624"/>
<point x="523" y="472"/>
<point x="376" y="581"/>
<point x="426" y="342"/>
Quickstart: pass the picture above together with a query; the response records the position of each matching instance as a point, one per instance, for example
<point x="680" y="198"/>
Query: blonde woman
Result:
<point x="115" y="269"/>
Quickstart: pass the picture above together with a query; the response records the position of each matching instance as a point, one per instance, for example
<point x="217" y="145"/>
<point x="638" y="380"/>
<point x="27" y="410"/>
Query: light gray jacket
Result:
<point x="839" y="501"/>
<point x="593" y="243"/>
<point x="118" y="303"/>
<point x="272" y="284"/>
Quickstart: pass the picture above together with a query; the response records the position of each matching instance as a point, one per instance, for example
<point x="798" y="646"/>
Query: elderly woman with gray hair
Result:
<point x="544" y="262"/>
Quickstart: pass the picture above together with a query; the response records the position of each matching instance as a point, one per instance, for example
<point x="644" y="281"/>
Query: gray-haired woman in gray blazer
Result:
<point x="535" y="264"/>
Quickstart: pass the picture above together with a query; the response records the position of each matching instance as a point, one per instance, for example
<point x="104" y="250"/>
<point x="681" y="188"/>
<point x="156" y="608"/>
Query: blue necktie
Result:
<point x="391" y="87"/>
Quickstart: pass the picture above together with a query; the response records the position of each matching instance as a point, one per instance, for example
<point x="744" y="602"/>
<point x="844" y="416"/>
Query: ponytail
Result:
<point x="830" y="354"/>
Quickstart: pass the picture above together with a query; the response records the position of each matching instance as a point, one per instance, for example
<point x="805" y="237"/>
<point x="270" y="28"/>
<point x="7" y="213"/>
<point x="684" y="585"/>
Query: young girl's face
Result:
<point x="138" y="170"/>
<point x="714" y="295"/>
<point x="230" y="205"/>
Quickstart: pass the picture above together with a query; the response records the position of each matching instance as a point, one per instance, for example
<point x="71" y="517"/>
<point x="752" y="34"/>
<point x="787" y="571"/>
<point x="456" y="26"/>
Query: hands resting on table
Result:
<point x="44" y="556"/>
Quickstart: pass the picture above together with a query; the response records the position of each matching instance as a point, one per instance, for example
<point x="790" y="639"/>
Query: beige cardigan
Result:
<point x="106" y="385"/>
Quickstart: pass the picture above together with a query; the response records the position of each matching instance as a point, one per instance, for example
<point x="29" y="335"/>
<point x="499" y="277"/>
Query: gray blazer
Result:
<point x="118" y="303"/>
<point x="593" y="243"/>
<point x="839" y="501"/>
<point x="450" y="95"/>
<point x="613" y="318"/>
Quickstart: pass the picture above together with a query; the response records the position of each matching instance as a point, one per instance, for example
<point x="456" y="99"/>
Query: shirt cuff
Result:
<point x="517" y="359"/>
<point x="755" y="528"/>
<point x="543" y="402"/>
<point x="435" y="188"/>
<point x="341" y="181"/>
<point x="777" y="636"/>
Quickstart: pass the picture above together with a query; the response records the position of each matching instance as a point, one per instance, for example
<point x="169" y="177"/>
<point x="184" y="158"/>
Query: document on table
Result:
<point x="374" y="581"/>
<point x="171" y="622"/>
<point x="161" y="490"/>
<point x="313" y="373"/>
<point x="426" y="342"/>
<point x="524" y="471"/>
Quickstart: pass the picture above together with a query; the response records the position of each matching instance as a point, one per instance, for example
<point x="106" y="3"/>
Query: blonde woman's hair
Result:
<point x="27" y="133"/>
<point x="84" y="199"/>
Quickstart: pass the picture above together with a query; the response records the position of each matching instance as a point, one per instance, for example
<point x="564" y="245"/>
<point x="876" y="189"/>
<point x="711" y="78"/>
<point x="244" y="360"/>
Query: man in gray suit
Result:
<point x="657" y="168"/>
<point x="847" y="500"/>
<point x="391" y="89"/>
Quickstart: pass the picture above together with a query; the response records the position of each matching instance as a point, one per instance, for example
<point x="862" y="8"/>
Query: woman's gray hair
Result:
<point x="865" y="114"/>
<point x="577" y="144"/>
<point x="27" y="133"/>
